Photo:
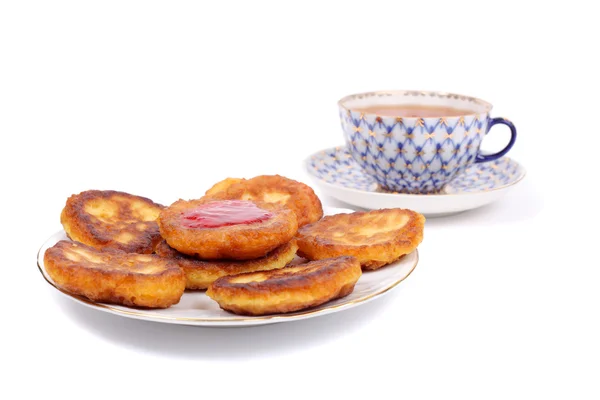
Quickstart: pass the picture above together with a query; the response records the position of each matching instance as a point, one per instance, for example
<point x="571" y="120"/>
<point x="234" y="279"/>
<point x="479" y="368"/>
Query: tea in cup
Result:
<point x="417" y="142"/>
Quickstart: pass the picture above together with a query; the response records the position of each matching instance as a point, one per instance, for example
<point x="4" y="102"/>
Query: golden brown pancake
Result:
<point x="274" y="189"/>
<point x="288" y="289"/>
<point x="201" y="273"/>
<point x="112" y="220"/>
<point x="111" y="276"/>
<point x="193" y="228"/>
<point x="375" y="238"/>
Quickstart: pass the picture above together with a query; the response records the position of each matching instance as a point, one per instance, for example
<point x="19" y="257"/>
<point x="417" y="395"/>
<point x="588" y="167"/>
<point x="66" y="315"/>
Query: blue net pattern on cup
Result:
<point x="413" y="155"/>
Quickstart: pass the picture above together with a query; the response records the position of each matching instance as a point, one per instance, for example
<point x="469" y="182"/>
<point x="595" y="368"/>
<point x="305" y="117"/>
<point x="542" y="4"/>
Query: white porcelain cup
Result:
<point x="417" y="154"/>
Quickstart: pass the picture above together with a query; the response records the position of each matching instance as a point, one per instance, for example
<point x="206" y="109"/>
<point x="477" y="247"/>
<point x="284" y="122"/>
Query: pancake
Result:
<point x="273" y="189"/>
<point x="200" y="274"/>
<point x="111" y="276"/>
<point x="375" y="238"/>
<point x="112" y="220"/>
<point x="286" y="290"/>
<point x="226" y="229"/>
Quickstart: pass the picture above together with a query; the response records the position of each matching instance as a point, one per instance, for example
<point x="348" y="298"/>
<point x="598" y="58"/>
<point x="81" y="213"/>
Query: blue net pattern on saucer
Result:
<point x="337" y="167"/>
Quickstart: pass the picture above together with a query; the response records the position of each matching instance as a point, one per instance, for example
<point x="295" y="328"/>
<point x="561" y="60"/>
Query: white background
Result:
<point x="162" y="99"/>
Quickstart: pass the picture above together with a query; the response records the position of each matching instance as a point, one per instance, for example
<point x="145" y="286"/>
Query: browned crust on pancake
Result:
<point x="237" y="242"/>
<point x="130" y="219"/>
<point x="325" y="238"/>
<point x="286" y="290"/>
<point x="223" y="185"/>
<point x="268" y="188"/>
<point x="111" y="276"/>
<point x="201" y="273"/>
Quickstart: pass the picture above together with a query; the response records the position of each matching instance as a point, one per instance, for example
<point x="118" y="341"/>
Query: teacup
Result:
<point x="414" y="141"/>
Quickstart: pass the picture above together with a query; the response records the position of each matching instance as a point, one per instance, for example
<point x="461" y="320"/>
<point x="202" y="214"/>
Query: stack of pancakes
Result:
<point x="128" y="250"/>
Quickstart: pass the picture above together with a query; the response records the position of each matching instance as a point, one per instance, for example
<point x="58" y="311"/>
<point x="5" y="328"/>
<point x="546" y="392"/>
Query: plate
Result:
<point x="338" y="175"/>
<point x="196" y="308"/>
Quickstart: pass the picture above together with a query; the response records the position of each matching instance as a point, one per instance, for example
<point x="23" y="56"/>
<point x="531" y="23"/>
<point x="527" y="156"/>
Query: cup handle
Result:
<point x="513" y="136"/>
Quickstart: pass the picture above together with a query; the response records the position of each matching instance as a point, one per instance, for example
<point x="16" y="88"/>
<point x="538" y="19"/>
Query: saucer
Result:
<point x="336" y="173"/>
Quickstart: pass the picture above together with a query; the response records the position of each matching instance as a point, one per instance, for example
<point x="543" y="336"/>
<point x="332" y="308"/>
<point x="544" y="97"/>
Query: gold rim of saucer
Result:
<point x="382" y="93"/>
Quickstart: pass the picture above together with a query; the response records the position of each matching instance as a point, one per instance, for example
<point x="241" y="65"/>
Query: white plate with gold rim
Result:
<point x="338" y="175"/>
<point x="195" y="308"/>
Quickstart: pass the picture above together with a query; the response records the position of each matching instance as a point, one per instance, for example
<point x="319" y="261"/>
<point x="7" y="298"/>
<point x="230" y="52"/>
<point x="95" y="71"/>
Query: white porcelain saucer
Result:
<point x="337" y="175"/>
